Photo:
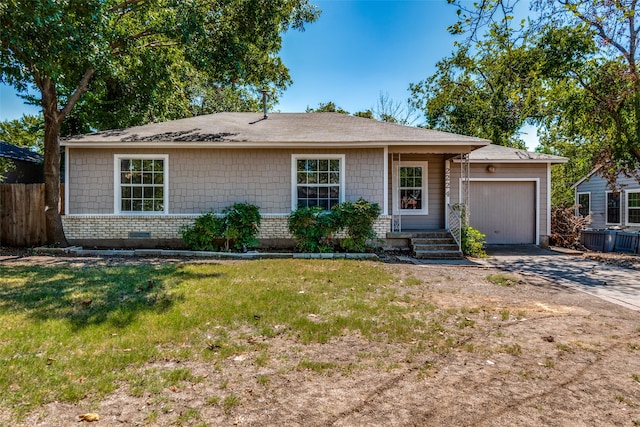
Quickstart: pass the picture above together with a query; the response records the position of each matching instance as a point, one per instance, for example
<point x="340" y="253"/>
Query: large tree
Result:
<point x="592" y="52"/>
<point x="488" y="88"/>
<point x="136" y="53"/>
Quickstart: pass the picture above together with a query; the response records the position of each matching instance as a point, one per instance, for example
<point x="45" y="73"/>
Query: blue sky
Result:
<point x="355" y="51"/>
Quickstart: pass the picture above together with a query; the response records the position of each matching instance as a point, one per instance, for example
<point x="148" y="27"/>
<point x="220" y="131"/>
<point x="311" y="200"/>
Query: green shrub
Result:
<point x="201" y="236"/>
<point x="241" y="225"/>
<point x="473" y="241"/>
<point x="356" y="219"/>
<point x="237" y="227"/>
<point x="312" y="229"/>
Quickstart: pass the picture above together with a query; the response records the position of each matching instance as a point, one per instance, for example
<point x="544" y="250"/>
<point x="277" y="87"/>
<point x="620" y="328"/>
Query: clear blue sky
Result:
<point x="358" y="49"/>
<point x="355" y="51"/>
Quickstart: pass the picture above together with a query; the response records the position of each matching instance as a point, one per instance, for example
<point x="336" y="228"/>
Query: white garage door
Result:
<point x="505" y="211"/>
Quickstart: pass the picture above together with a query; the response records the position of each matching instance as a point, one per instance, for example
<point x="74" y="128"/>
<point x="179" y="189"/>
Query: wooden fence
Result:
<point x="22" y="219"/>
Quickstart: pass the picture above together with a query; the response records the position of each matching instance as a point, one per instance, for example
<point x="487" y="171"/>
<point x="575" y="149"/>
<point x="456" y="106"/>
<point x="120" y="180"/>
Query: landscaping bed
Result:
<point x="169" y="341"/>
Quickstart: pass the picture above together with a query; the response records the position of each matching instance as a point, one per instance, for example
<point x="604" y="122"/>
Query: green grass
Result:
<point x="501" y="279"/>
<point x="72" y="333"/>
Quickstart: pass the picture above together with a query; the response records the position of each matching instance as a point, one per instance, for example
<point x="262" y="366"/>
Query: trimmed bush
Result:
<point x="312" y="229"/>
<point x="473" y="241"/>
<point x="237" y="227"/>
<point x="356" y="219"/>
<point x="201" y="236"/>
<point x="241" y="225"/>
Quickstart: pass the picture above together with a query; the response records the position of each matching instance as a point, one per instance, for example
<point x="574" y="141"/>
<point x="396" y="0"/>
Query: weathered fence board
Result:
<point x="22" y="218"/>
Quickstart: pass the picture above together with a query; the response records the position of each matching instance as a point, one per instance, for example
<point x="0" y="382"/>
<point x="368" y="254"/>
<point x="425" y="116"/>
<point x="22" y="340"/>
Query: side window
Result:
<point x="613" y="207"/>
<point x="633" y="207"/>
<point x="141" y="184"/>
<point x="584" y="204"/>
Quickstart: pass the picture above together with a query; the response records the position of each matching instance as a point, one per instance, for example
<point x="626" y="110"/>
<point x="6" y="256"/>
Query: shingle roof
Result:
<point x="13" y="152"/>
<point x="498" y="153"/>
<point x="286" y="128"/>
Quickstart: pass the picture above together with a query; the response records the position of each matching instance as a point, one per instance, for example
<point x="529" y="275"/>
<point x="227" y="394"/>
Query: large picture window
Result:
<point x="584" y="204"/>
<point x="613" y="207"/>
<point x="412" y="187"/>
<point x="141" y="183"/>
<point x="318" y="181"/>
<point x="633" y="207"/>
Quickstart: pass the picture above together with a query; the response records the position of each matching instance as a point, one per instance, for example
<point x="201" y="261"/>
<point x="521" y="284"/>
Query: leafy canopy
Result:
<point x="112" y="63"/>
<point x="588" y="70"/>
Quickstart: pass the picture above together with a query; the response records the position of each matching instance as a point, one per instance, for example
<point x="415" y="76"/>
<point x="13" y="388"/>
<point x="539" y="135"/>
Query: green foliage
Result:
<point x="312" y="229"/>
<point x="584" y="72"/>
<point x="241" y="225"/>
<point x="111" y="64"/>
<point x="357" y="219"/>
<point x="6" y="165"/>
<point x="473" y="241"/>
<point x="201" y="236"/>
<point x="488" y="92"/>
<point x="28" y="132"/>
<point x="238" y="227"/>
<point x="327" y="107"/>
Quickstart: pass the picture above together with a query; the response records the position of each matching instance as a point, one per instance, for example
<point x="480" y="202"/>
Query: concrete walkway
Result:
<point x="614" y="284"/>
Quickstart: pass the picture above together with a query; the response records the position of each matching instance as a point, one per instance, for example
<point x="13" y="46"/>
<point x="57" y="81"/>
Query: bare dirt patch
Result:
<point x="532" y="353"/>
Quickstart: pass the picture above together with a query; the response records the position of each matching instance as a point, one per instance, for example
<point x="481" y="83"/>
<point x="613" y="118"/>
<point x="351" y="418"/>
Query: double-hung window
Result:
<point x="141" y="184"/>
<point x="584" y="204"/>
<point x="633" y="207"/>
<point x="412" y="188"/>
<point x="318" y="180"/>
<point x="613" y="207"/>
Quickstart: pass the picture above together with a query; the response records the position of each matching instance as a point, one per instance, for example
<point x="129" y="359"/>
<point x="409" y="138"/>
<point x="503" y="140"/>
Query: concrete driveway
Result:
<point x="614" y="284"/>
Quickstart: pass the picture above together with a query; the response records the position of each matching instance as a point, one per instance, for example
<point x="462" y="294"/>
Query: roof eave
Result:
<point x="265" y="144"/>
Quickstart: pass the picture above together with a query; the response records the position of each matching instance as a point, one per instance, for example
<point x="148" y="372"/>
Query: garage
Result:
<point x="505" y="211"/>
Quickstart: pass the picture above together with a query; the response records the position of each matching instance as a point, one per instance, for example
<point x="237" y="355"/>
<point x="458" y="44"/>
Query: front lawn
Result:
<point x="70" y="333"/>
<point x="307" y="342"/>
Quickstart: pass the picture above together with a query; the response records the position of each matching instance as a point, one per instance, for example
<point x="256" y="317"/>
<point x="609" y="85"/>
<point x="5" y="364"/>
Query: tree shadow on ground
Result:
<point x="89" y="295"/>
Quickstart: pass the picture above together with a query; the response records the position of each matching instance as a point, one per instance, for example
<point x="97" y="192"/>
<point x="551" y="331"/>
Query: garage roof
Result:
<point x="500" y="154"/>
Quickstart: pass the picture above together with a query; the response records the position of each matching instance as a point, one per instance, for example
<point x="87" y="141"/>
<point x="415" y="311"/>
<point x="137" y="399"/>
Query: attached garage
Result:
<point x="506" y="211"/>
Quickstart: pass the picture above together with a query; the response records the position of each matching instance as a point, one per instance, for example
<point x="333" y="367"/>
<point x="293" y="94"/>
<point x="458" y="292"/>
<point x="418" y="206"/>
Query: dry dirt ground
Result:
<point x="532" y="354"/>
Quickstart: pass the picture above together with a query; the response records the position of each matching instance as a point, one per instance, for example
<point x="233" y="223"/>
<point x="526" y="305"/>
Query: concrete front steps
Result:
<point x="434" y="245"/>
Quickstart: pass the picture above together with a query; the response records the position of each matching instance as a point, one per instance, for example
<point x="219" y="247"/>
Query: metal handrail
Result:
<point x="454" y="221"/>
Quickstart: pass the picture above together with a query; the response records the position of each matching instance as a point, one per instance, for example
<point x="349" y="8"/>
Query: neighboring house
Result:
<point x="126" y="187"/>
<point x="28" y="165"/>
<point x="614" y="208"/>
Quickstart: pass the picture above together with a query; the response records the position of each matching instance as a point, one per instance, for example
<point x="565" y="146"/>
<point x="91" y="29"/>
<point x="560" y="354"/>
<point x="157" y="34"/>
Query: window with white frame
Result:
<point x="633" y="207"/>
<point x="412" y="188"/>
<point x="141" y="183"/>
<point x="613" y="207"/>
<point x="318" y="180"/>
<point x="584" y="204"/>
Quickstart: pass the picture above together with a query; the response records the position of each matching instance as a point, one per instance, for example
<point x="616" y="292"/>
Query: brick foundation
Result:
<point x="134" y="228"/>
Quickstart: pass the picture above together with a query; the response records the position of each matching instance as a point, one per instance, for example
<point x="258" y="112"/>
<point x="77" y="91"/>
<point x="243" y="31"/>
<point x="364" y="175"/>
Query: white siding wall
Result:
<point x="598" y="187"/>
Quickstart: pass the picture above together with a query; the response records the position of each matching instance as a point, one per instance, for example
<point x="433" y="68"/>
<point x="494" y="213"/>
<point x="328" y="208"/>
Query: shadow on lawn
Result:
<point x="89" y="295"/>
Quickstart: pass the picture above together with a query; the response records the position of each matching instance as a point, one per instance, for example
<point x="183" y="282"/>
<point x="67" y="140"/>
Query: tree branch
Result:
<point x="124" y="5"/>
<point x="594" y="23"/>
<point x="117" y="45"/>
<point x="82" y="87"/>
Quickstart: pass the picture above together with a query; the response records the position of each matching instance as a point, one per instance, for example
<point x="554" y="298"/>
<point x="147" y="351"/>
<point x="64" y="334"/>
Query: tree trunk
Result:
<point x="52" y="123"/>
